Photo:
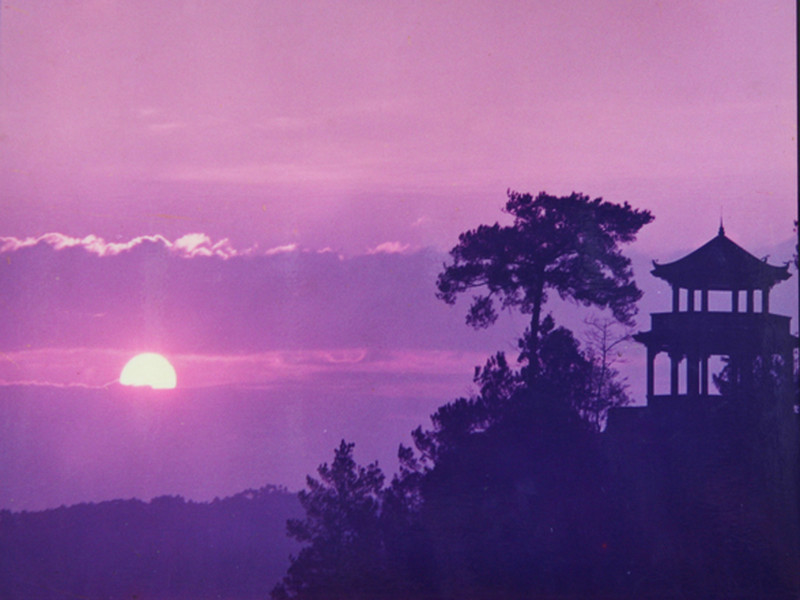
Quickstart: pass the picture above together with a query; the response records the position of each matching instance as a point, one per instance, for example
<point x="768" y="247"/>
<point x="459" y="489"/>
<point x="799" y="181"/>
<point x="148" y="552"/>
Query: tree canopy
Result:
<point x="567" y="244"/>
<point x="514" y="492"/>
<point x="345" y="555"/>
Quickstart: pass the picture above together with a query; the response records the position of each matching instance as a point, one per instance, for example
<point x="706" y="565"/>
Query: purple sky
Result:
<point x="264" y="191"/>
<point x="352" y="124"/>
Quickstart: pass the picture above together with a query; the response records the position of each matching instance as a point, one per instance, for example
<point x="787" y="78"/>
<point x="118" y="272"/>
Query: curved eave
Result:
<point x="700" y="279"/>
<point x="721" y="264"/>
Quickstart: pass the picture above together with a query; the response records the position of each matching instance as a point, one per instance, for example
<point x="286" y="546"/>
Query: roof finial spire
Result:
<point x="721" y="226"/>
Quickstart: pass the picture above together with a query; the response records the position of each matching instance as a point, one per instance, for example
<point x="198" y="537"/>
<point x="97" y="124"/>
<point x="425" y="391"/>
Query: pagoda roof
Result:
<point x="721" y="264"/>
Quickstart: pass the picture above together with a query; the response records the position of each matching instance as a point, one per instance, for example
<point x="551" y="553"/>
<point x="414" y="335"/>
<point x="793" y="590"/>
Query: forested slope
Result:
<point x="167" y="548"/>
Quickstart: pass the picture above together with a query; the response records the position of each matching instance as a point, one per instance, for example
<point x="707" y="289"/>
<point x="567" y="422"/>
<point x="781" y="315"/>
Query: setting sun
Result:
<point x="149" y="369"/>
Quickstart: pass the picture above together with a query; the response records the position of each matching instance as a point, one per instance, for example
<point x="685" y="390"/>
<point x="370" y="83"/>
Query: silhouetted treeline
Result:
<point x="167" y="549"/>
<point x="515" y="492"/>
<point x="507" y="495"/>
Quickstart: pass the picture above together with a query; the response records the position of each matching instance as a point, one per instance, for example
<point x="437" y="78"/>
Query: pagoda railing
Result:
<point x="720" y="333"/>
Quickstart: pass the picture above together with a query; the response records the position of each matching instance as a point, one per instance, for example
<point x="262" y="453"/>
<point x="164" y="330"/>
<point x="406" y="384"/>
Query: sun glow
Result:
<point x="151" y="370"/>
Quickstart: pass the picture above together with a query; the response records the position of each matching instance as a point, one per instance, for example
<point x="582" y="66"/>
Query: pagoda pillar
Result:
<point x="704" y="375"/>
<point x="692" y="375"/>
<point x="704" y="300"/>
<point x="676" y="298"/>
<point x="651" y="372"/>
<point x="690" y="301"/>
<point x="674" y="361"/>
<point x="765" y="300"/>
<point x="735" y="301"/>
<point x="750" y="301"/>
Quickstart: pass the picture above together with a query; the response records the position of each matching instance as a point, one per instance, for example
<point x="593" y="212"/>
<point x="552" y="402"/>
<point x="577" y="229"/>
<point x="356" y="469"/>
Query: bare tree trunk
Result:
<point x="533" y="340"/>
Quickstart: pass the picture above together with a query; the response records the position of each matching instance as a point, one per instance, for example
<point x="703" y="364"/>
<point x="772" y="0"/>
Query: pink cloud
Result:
<point x="90" y="243"/>
<point x="281" y="249"/>
<point x="64" y="367"/>
<point x="187" y="246"/>
<point x="199" y="244"/>
<point x="389" y="248"/>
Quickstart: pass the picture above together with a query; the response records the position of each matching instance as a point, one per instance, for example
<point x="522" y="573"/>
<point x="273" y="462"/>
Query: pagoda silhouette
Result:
<point x="709" y="476"/>
<point x="691" y="336"/>
<point x="743" y="334"/>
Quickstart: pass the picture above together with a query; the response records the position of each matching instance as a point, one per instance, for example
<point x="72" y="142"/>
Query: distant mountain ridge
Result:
<point x="168" y="548"/>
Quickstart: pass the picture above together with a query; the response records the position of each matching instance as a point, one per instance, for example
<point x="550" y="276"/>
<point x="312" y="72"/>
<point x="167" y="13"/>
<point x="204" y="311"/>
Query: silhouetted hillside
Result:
<point x="168" y="548"/>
